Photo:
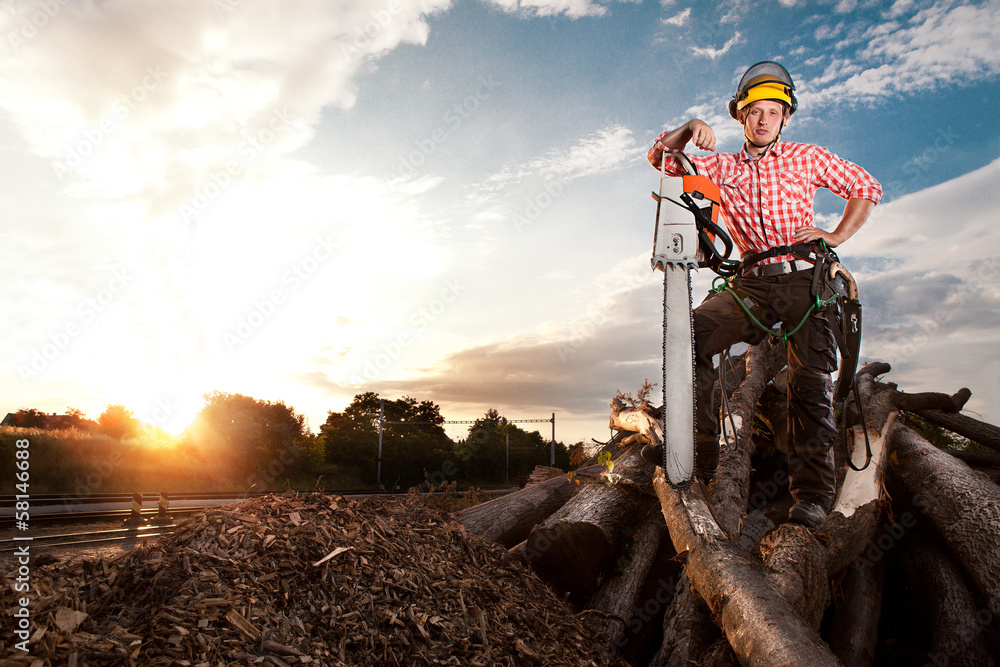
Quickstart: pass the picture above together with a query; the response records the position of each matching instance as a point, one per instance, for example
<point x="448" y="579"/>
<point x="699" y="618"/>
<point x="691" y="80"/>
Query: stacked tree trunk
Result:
<point x="906" y="569"/>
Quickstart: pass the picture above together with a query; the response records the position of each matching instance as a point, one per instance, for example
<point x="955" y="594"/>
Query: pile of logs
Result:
<point x="905" y="570"/>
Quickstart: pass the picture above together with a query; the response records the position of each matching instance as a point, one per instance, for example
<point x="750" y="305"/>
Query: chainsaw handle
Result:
<point x="706" y="228"/>
<point x="709" y="244"/>
<point x="680" y="157"/>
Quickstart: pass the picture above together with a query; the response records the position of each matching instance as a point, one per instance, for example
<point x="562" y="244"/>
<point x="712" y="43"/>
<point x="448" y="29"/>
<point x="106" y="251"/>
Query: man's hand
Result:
<point x="810" y="234"/>
<point x="702" y="135"/>
<point x="856" y="212"/>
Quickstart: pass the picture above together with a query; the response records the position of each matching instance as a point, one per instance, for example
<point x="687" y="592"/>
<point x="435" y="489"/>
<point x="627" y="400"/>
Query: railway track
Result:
<point x="59" y="510"/>
<point x="62" y="509"/>
<point x="89" y="538"/>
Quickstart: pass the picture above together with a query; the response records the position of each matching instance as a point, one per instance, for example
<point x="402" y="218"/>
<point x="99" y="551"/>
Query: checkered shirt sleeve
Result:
<point x="764" y="201"/>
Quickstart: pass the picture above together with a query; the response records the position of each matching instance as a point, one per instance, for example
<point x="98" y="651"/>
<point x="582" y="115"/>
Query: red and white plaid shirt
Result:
<point x="764" y="201"/>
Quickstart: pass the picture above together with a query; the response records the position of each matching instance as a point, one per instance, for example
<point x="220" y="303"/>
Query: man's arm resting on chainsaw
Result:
<point x="694" y="131"/>
<point x="856" y="212"/>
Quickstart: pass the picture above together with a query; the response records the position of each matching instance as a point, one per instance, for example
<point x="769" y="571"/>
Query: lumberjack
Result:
<point x="766" y="198"/>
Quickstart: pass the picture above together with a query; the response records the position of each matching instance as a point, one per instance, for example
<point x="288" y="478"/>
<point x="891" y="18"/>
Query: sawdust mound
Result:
<point x="304" y="579"/>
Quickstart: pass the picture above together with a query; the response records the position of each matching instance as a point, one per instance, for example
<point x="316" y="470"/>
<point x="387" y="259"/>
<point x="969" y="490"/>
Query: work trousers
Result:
<point x="720" y="322"/>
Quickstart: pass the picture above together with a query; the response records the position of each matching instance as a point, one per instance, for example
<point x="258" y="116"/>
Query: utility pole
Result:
<point x="552" y="447"/>
<point x="381" y="422"/>
<point x="507" y="474"/>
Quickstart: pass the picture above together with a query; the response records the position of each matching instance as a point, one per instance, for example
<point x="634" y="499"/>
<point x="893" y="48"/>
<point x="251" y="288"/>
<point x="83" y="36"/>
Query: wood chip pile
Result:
<point x="542" y="473"/>
<point x="301" y="579"/>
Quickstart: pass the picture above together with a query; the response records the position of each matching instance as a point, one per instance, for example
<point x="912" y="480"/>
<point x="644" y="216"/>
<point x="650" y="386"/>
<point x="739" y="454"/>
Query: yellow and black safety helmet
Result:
<point x="766" y="80"/>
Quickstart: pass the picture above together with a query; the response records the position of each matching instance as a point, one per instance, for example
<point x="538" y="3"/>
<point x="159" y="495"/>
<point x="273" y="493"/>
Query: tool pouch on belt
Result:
<point x="847" y="330"/>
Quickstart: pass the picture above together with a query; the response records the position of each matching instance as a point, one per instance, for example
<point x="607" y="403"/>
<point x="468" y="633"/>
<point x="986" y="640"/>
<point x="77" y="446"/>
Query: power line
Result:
<point x="476" y="421"/>
<point x="382" y="422"/>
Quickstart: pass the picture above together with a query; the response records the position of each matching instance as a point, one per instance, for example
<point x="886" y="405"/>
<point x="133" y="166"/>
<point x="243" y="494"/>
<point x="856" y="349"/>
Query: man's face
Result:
<point x="762" y="120"/>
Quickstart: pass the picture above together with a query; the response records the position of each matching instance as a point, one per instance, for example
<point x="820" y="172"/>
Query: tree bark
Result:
<point x="974" y="459"/>
<point x="736" y="588"/>
<point x="614" y="602"/>
<point x="801" y="561"/>
<point x="798" y="565"/>
<point x="977" y="431"/>
<point x="941" y="589"/>
<point x="731" y="488"/>
<point x="643" y="422"/>
<point x="963" y="507"/>
<point x="688" y="629"/>
<point x="854" y="630"/>
<point x="572" y="549"/>
<point x="509" y="519"/>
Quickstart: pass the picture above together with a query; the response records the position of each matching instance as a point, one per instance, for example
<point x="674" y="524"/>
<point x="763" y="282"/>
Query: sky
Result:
<point x="449" y="199"/>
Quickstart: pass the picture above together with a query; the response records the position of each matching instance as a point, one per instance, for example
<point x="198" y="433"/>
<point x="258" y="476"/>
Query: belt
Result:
<point x="779" y="268"/>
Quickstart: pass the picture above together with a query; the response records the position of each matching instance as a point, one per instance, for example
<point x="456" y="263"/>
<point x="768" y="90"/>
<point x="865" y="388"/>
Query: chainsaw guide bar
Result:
<point x="680" y="203"/>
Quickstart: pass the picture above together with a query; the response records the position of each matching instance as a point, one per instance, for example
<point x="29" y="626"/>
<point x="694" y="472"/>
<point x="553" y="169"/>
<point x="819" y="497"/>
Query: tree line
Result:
<point x="243" y="443"/>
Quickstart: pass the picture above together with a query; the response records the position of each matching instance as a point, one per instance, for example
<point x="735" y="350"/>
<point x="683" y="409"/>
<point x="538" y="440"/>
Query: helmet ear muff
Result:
<point x="732" y="108"/>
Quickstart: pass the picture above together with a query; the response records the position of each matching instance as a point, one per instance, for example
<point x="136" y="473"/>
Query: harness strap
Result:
<point x="801" y="250"/>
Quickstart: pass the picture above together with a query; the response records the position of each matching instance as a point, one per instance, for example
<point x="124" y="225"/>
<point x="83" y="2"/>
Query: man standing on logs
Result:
<point x="767" y="202"/>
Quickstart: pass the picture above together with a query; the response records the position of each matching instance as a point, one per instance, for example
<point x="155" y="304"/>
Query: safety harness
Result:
<point x="827" y="272"/>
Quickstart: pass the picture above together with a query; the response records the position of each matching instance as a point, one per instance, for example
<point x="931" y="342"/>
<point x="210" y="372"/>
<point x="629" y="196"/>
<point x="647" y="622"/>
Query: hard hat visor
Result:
<point x="764" y="81"/>
<point x="765" y="72"/>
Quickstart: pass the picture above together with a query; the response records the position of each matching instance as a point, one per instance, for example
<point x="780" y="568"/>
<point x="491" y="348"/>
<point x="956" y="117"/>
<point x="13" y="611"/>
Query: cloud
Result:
<point x="575" y="366"/>
<point x="713" y="53"/>
<point x="189" y="86"/>
<point x="678" y="19"/>
<point x="171" y="126"/>
<point x="604" y="151"/>
<point x="728" y="132"/>
<point x="941" y="45"/>
<point x="899" y="8"/>
<point x="930" y="290"/>
<point x="573" y="9"/>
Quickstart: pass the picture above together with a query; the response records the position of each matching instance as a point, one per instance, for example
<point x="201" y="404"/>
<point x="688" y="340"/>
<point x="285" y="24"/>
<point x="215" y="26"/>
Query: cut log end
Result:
<point x="570" y="556"/>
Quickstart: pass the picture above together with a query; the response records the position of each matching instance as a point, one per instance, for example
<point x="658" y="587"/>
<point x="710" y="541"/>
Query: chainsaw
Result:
<point x="687" y="230"/>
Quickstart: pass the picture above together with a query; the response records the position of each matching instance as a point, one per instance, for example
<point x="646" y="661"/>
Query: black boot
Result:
<point x="807" y="514"/>
<point x="706" y="460"/>
<point x="705" y="466"/>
